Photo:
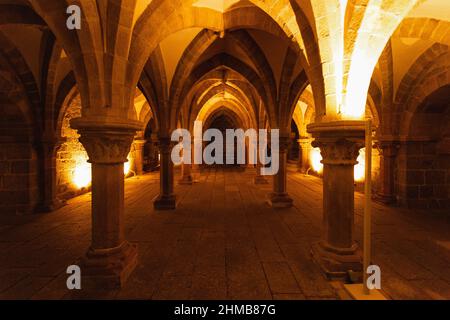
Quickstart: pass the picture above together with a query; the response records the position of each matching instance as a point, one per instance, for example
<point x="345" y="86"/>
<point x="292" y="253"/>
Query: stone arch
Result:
<point x="19" y="14"/>
<point x="212" y="105"/>
<point x="426" y="87"/>
<point x="425" y="149"/>
<point x="223" y="110"/>
<point x="82" y="47"/>
<point x="66" y="92"/>
<point x="226" y="61"/>
<point x="52" y="57"/>
<point x="185" y="16"/>
<point x="425" y="29"/>
<point x="374" y="32"/>
<point x="420" y="66"/>
<point x="24" y="78"/>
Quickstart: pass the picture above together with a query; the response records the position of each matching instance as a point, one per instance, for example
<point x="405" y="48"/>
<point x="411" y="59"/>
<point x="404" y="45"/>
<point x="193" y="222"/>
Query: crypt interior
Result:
<point x="86" y="175"/>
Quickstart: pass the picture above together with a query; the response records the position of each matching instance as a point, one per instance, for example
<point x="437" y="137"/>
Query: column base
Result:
<point x="261" y="180"/>
<point x="187" y="180"/>
<point x="165" y="203"/>
<point x="108" y="268"/>
<point x="385" y="199"/>
<point x="336" y="262"/>
<point x="280" y="200"/>
<point x="303" y="170"/>
<point x="50" y="207"/>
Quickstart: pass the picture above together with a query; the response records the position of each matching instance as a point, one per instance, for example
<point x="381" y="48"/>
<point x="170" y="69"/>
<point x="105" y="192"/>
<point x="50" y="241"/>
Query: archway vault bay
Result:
<point x="89" y="105"/>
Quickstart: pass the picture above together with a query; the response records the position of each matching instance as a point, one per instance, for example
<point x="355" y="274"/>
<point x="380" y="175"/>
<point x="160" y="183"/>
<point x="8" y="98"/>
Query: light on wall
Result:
<point x="127" y="165"/>
<point x="82" y="173"/>
<point x="360" y="167"/>
<point x="316" y="159"/>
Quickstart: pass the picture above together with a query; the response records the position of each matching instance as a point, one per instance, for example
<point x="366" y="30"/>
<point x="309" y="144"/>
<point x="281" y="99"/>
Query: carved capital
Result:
<point x="139" y="143"/>
<point x="304" y="141"/>
<point x="388" y="148"/>
<point x="339" y="151"/>
<point x="107" y="147"/>
<point x="107" y="141"/>
<point x="339" y="141"/>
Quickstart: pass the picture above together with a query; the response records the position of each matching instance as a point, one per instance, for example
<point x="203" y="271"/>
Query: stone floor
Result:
<point x="223" y="242"/>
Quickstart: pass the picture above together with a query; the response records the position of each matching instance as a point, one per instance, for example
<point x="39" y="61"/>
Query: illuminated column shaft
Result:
<point x="49" y="200"/>
<point x="166" y="199"/>
<point x="138" y="146"/>
<point x="279" y="198"/>
<point x="110" y="259"/>
<point x="388" y="153"/>
<point x="339" y="143"/>
<point x="305" y="149"/>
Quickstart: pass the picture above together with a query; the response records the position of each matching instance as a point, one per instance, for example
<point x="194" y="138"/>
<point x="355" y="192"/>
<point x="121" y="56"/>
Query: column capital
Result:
<point x="139" y="142"/>
<point x="339" y="141"/>
<point x="105" y="142"/>
<point x="339" y="151"/>
<point x="388" y="148"/>
<point x="304" y="140"/>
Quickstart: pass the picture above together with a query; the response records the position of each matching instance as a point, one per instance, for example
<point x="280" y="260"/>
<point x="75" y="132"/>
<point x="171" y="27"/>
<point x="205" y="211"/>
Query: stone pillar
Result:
<point x="153" y="152"/>
<point x="279" y="198"/>
<point x="166" y="199"/>
<point x="186" y="174"/>
<point x="48" y="198"/>
<point x="110" y="259"/>
<point x="186" y="170"/>
<point x="138" y="147"/>
<point x="339" y="143"/>
<point x="388" y="153"/>
<point x="259" y="179"/>
<point x="305" y="149"/>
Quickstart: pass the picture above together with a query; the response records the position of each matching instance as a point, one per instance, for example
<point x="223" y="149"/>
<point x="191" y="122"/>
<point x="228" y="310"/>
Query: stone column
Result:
<point x="186" y="170"/>
<point x="279" y="198"/>
<point x="138" y="147"/>
<point x="305" y="148"/>
<point x="339" y="143"/>
<point x="47" y="152"/>
<point x="110" y="259"/>
<point x="153" y="152"/>
<point x="186" y="174"/>
<point x="259" y="178"/>
<point x="388" y="153"/>
<point x="166" y="199"/>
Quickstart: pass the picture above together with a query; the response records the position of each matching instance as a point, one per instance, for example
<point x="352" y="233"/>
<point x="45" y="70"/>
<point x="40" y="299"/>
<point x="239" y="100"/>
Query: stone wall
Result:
<point x="423" y="175"/>
<point x="19" y="192"/>
<point x="70" y="155"/>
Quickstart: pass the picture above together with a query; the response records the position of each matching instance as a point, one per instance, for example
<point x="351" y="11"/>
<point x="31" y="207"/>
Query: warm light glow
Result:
<point x="218" y="5"/>
<point x="316" y="159"/>
<point x="82" y="173"/>
<point x="339" y="57"/>
<point x="359" y="171"/>
<point x="127" y="165"/>
<point x="360" y="167"/>
<point x="358" y="85"/>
